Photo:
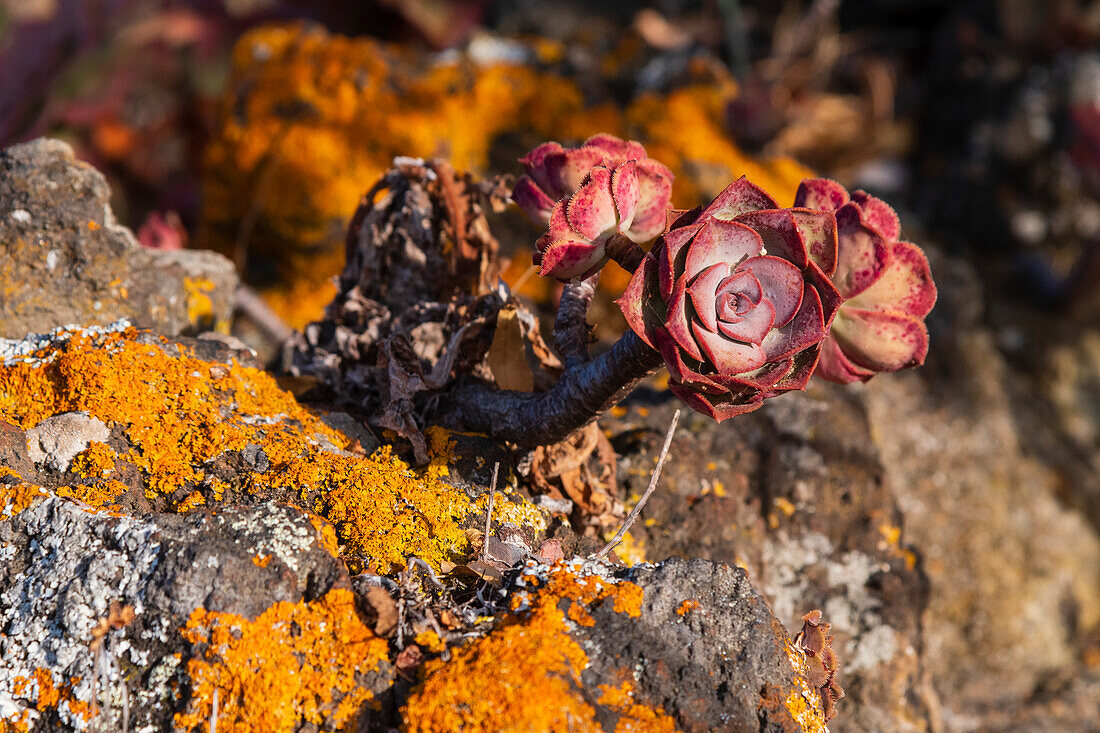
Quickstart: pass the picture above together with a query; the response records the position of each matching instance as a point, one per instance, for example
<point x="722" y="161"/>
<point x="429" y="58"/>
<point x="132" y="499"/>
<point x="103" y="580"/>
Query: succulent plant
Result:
<point x="737" y="299"/>
<point x="886" y="285"/>
<point x="554" y="172"/>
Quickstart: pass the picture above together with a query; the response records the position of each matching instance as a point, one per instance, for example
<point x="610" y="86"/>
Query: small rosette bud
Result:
<point x="886" y="285"/>
<point x="554" y="172"/>
<point x="737" y="299"/>
<point x="622" y="201"/>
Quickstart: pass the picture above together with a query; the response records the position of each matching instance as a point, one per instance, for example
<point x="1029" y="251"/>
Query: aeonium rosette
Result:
<point x="737" y="299"/>
<point x="590" y="196"/>
<point x="886" y="285"/>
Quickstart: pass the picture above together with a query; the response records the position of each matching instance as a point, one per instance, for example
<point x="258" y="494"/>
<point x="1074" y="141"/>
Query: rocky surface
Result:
<point x="63" y="569"/>
<point x="66" y="260"/>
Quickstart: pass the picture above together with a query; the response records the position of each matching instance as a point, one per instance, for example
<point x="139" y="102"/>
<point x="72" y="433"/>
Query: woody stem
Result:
<point x="571" y="329"/>
<point x="582" y="393"/>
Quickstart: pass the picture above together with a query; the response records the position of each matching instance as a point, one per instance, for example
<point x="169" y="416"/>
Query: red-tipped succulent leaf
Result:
<point x="737" y="299"/>
<point x="886" y="285"/>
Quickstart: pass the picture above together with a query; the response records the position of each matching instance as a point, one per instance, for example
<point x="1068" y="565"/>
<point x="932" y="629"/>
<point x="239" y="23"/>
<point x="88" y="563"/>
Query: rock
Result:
<point x="686" y="645"/>
<point x="1014" y="573"/>
<point x="54" y="442"/>
<point x="67" y="261"/>
<point x="795" y="494"/>
<point x="64" y="569"/>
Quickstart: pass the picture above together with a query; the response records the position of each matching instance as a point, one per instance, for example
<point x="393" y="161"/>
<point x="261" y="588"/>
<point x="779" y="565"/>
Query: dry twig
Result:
<point x="489" y="513"/>
<point x="645" y="497"/>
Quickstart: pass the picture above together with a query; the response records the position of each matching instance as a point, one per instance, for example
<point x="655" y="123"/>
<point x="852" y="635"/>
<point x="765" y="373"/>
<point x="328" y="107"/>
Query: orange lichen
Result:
<point x="43" y="695"/>
<point x="687" y="607"/>
<point x="431" y="641"/>
<point x="261" y="561"/>
<point x="199" y="306"/>
<point x="17" y="496"/>
<point x="633" y="717"/>
<point x="525" y="675"/>
<point x="296" y="663"/>
<point x="101" y="494"/>
<point x="95" y="461"/>
<point x="181" y="412"/>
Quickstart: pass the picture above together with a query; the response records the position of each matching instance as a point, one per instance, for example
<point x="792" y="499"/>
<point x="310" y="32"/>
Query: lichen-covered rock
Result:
<point x="64" y="259"/>
<point x="686" y="645"/>
<point x="73" y="656"/>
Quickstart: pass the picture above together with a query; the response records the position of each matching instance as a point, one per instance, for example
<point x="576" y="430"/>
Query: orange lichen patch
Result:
<point x="631" y="550"/>
<point x="261" y="561"/>
<point x="95" y="461"/>
<point x="297" y="663"/>
<point x="180" y="412"/>
<point x="686" y="131"/>
<point x="803" y="703"/>
<point x="431" y="641"/>
<point x="784" y="505"/>
<point x="101" y="494"/>
<point x="44" y="696"/>
<point x="687" y="607"/>
<point x="190" y="502"/>
<point x="633" y="717"/>
<point x="327" y="533"/>
<point x="525" y="675"/>
<point x="17" y="496"/>
<point x="199" y="305"/>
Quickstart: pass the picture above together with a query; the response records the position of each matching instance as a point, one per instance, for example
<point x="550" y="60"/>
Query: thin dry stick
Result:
<point x="645" y="497"/>
<point x="214" y="712"/>
<point x="489" y="514"/>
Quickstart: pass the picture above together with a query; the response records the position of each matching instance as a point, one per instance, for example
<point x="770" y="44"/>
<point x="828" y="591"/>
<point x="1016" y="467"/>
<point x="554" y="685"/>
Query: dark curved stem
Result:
<point x="626" y="253"/>
<point x="583" y="393"/>
<point x="571" y="329"/>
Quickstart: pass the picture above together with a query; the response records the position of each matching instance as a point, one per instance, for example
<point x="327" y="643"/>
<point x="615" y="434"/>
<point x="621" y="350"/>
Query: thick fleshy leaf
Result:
<point x="728" y="357"/>
<point x="822" y="194"/>
<point x="836" y="367"/>
<point x="830" y="296"/>
<point x="654" y="198"/>
<point x="905" y="285"/>
<point x="616" y="149"/>
<point x="765" y="377"/>
<point x="591" y="210"/>
<point x="861" y="253"/>
<point x="721" y="242"/>
<point x="753" y="325"/>
<point x="624" y="191"/>
<point x="558" y="225"/>
<point x="804" y="330"/>
<point x="702" y="291"/>
<point x="643" y="310"/>
<point x="678" y="368"/>
<point x="781" y="282"/>
<point x="532" y="199"/>
<point x="779" y="233"/>
<point x="804" y="363"/>
<point x="679" y="321"/>
<point x="740" y="197"/>
<point x="535" y="163"/>
<point x="882" y="341"/>
<point x="569" y="259"/>
<point x="673" y="255"/>
<point x="818" y="229"/>
<point x="879" y="215"/>
<point x="712" y="408"/>
<point x="567" y="170"/>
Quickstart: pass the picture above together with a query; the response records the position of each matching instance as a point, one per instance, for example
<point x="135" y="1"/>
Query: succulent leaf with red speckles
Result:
<point x="555" y="172"/>
<point x="623" y="201"/>
<point x="737" y="299"/>
<point x="886" y="285"/>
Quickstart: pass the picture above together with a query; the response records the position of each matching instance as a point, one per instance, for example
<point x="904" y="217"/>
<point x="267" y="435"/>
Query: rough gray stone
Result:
<point x="65" y="260"/>
<point x="62" y="566"/>
<point x="55" y="442"/>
